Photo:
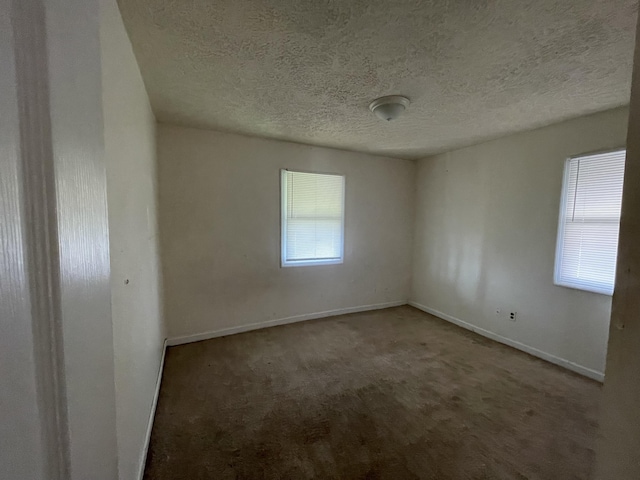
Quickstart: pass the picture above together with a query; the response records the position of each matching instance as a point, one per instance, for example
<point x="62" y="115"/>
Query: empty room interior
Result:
<point x="356" y="239"/>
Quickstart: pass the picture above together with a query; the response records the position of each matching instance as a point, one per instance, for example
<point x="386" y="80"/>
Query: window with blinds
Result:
<point x="587" y="246"/>
<point x="312" y="218"/>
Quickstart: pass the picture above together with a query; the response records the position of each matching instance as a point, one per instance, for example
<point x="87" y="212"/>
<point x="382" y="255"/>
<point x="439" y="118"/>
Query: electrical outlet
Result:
<point x="506" y="314"/>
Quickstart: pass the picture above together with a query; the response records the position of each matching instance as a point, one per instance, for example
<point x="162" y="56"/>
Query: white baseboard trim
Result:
<point x="152" y="414"/>
<point x="587" y="372"/>
<point x="171" y="342"/>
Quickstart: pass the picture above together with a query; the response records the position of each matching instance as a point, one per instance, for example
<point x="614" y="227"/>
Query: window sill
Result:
<point x="584" y="288"/>
<point x="308" y="263"/>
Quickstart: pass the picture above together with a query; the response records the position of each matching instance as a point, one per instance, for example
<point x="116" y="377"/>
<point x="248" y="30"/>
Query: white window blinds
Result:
<point x="587" y="246"/>
<point x="312" y="218"/>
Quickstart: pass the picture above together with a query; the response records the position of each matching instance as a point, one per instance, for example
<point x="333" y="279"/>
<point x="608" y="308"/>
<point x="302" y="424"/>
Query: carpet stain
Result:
<point x="390" y="394"/>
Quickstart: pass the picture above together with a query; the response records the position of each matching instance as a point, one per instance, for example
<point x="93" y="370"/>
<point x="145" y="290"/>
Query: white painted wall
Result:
<point x="138" y="331"/>
<point x="220" y="231"/>
<point x="486" y="225"/>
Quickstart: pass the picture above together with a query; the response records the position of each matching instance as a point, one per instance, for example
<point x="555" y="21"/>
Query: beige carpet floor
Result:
<point x="390" y="394"/>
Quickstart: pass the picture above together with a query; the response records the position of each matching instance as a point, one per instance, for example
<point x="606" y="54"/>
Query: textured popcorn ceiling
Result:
<point x="306" y="70"/>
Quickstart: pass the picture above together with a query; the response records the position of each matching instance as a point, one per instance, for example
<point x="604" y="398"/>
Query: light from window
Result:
<point x="312" y="218"/>
<point x="589" y="223"/>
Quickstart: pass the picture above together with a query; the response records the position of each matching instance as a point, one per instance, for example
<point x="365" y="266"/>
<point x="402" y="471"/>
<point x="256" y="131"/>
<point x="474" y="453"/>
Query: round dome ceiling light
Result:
<point x="389" y="108"/>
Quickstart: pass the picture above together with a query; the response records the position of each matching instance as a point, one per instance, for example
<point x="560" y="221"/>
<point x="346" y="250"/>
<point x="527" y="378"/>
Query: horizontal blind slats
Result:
<point x="588" y="240"/>
<point x="314" y="216"/>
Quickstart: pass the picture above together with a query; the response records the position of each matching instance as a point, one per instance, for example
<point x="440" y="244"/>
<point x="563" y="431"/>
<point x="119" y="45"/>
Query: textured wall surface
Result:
<point x="220" y="231"/>
<point x="306" y="70"/>
<point x="130" y="156"/>
<point x="57" y="399"/>
<point x="23" y="426"/>
<point x="75" y="111"/>
<point x="486" y="229"/>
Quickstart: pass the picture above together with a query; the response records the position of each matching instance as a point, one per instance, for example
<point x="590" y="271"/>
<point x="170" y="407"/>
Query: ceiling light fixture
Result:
<point x="389" y="108"/>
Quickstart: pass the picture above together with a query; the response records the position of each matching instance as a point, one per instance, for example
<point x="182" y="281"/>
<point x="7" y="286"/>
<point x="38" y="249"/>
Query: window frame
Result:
<point x="284" y="263"/>
<point x="603" y="290"/>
